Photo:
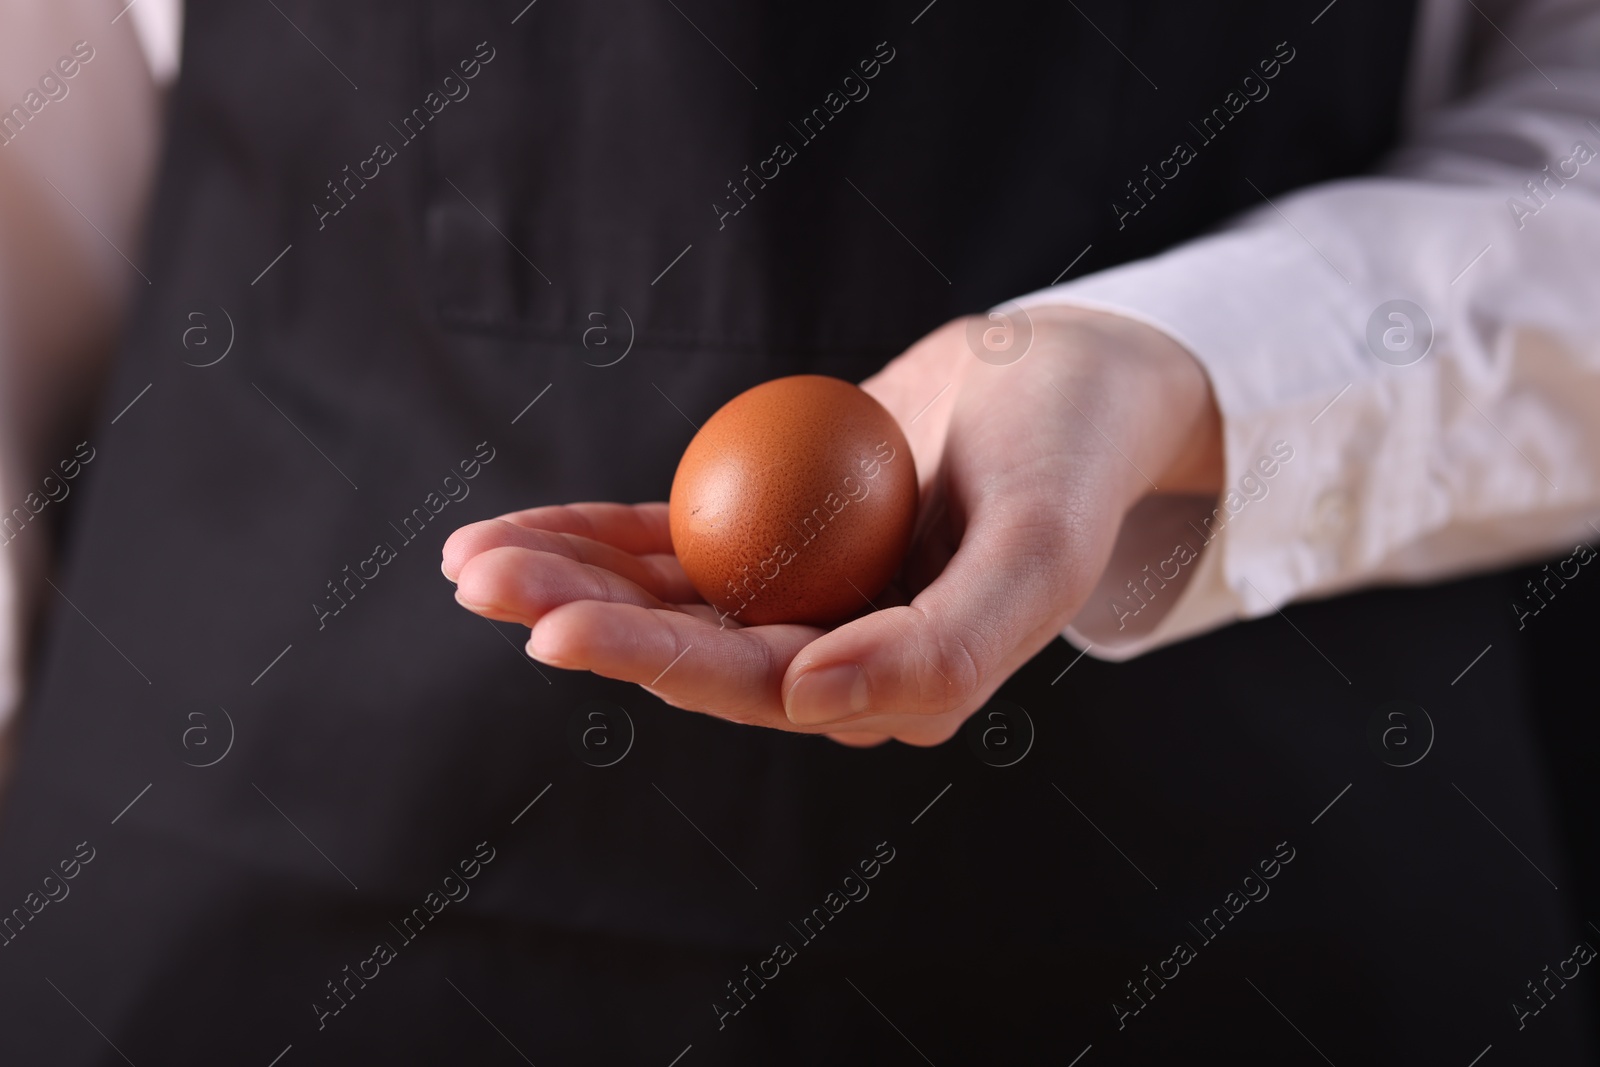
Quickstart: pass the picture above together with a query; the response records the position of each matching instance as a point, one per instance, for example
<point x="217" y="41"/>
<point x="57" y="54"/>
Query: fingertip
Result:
<point x="490" y="584"/>
<point x="909" y="665"/>
<point x="467" y="542"/>
<point x="827" y="694"/>
<point x="548" y="644"/>
<point x="588" y="635"/>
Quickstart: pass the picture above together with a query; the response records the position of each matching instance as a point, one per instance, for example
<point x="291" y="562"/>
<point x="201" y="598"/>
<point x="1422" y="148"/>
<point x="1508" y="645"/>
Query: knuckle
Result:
<point x="1046" y="523"/>
<point x="954" y="670"/>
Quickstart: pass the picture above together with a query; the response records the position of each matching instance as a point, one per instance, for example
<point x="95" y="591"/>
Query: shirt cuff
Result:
<point x="1257" y="310"/>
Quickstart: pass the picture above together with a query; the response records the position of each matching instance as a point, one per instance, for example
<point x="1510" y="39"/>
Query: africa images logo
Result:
<point x="53" y="88"/>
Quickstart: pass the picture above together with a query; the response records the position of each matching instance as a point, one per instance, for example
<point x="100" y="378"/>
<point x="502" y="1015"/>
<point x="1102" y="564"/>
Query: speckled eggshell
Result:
<point x="794" y="503"/>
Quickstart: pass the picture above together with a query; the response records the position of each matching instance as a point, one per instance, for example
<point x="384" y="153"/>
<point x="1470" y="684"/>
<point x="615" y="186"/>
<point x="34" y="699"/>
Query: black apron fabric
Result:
<point x="229" y="913"/>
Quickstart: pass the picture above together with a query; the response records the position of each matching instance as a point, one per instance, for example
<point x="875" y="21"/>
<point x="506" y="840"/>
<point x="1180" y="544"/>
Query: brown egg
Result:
<point x="794" y="503"/>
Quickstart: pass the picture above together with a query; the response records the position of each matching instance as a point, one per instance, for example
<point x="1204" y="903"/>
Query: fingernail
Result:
<point x="443" y="571"/>
<point x="827" y="694"/>
<point x="470" y="605"/>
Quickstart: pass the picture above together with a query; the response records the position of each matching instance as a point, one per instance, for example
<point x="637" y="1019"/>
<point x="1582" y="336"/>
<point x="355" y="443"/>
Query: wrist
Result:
<point x="1155" y="392"/>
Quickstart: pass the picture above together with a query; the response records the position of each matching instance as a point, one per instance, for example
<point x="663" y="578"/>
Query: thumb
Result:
<point x="1014" y="582"/>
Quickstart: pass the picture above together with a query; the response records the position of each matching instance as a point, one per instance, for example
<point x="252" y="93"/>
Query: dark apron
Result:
<point x="375" y="832"/>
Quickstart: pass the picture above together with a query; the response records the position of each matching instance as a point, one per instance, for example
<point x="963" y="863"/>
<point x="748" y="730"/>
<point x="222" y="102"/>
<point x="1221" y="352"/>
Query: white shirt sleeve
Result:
<point x="1344" y="467"/>
<point x="78" y="142"/>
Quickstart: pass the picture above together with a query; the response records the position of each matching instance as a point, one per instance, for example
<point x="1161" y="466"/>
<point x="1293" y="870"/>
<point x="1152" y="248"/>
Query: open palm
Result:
<point x="1023" y="492"/>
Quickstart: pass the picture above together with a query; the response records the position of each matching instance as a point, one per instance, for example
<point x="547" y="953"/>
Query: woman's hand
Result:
<point x="1027" y="471"/>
